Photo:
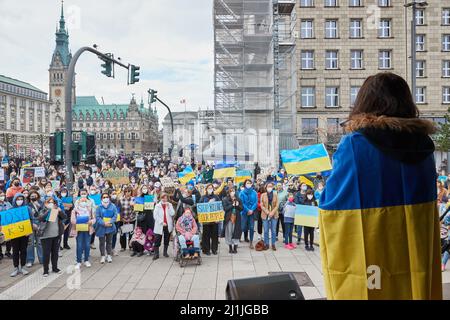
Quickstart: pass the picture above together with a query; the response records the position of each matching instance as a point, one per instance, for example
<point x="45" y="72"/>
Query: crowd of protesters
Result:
<point x="266" y="201"/>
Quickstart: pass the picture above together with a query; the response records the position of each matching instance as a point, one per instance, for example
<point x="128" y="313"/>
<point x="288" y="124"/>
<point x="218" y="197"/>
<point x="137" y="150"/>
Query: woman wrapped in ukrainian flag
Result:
<point x="379" y="223"/>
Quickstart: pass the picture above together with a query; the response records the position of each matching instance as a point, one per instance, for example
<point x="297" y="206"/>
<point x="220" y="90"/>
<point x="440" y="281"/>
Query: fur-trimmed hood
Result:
<point x="411" y="125"/>
<point x="404" y="139"/>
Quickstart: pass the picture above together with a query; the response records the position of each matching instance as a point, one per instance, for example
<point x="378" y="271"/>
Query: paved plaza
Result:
<point x="141" y="278"/>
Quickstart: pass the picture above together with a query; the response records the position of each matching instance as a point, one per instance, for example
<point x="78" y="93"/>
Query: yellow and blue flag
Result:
<point x="307" y="216"/>
<point x="306" y="160"/>
<point x="242" y="175"/>
<point x="186" y="175"/>
<point x="15" y="222"/>
<point x="379" y="219"/>
<point x="224" y="170"/>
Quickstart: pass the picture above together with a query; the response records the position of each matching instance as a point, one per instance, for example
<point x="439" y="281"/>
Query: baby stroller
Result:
<point x="180" y="255"/>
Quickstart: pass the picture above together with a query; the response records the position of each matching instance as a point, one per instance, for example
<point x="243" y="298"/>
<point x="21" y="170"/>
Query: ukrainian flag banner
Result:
<point x="306" y="216"/>
<point x="16" y="222"/>
<point x="186" y="175"/>
<point x="224" y="170"/>
<point x="379" y="221"/>
<point x="242" y="175"/>
<point x="306" y="160"/>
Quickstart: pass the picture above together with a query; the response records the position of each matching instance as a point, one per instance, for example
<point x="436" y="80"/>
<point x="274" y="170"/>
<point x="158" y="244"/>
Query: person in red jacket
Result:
<point x="14" y="189"/>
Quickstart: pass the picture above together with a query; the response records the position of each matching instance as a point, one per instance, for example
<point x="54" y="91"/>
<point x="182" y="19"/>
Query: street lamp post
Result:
<point x="414" y="5"/>
<point x="107" y="58"/>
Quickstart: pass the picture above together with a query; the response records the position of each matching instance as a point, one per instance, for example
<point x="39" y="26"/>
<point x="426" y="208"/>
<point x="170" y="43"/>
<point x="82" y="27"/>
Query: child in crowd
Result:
<point x="149" y="242"/>
<point x="137" y="242"/>
<point x="289" y="216"/>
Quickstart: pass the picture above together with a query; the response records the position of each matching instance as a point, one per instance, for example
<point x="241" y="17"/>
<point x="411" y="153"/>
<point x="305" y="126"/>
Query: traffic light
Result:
<point x="134" y="74"/>
<point x="107" y="66"/>
<point x="152" y="95"/>
<point x="57" y="148"/>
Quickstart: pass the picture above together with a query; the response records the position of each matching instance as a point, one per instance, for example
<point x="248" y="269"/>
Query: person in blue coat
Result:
<point x="249" y="199"/>
<point x="105" y="227"/>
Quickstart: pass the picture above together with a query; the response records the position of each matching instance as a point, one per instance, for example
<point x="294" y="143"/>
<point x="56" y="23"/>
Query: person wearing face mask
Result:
<point x="210" y="235"/>
<point x="186" y="226"/>
<point x="232" y="231"/>
<point x="309" y="231"/>
<point x="5" y="205"/>
<point x="36" y="206"/>
<point x="105" y="218"/>
<point x="93" y="192"/>
<point x="14" y="189"/>
<point x="183" y="198"/>
<point x="116" y="201"/>
<point x="84" y="211"/>
<point x="282" y="198"/>
<point x="19" y="244"/>
<point x="249" y="199"/>
<point x="68" y="207"/>
<point x="50" y="238"/>
<point x="147" y="222"/>
<point x="318" y="191"/>
<point x="300" y="198"/>
<point x="127" y="215"/>
<point x="289" y="217"/>
<point x="163" y="214"/>
<point x="269" y="215"/>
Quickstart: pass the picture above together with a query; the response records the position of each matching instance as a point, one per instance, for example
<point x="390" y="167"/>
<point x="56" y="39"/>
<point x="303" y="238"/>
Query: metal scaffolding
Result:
<point x="255" y="70"/>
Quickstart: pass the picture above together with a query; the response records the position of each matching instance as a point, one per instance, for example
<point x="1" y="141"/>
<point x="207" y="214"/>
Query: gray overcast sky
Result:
<point x="171" y="40"/>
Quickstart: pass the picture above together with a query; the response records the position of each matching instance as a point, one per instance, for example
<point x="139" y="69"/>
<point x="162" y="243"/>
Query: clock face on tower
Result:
<point x="58" y="92"/>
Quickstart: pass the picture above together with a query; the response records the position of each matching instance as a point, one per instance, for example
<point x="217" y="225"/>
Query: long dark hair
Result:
<point x="385" y="94"/>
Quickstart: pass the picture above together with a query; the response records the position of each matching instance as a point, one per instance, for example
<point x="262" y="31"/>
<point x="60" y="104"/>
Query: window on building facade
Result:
<point x="2" y="116"/>
<point x="446" y="42"/>
<point x="353" y="94"/>
<point x="384" y="28"/>
<point x="420" y="95"/>
<point x="356" y="28"/>
<point x="420" y="68"/>
<point x="331" y="29"/>
<point x="331" y="3"/>
<point x="355" y="3"/>
<point x="446" y="95"/>
<point x="331" y="59"/>
<point x="333" y="126"/>
<point x="14" y="101"/>
<point x="446" y="16"/>
<point x="307" y="57"/>
<point x="420" y="42"/>
<point x="384" y="59"/>
<point x="356" y="59"/>
<point x="307" y="29"/>
<point x="31" y="119"/>
<point x="306" y="3"/>
<point x="446" y="68"/>
<point x="309" y="126"/>
<point x="384" y="3"/>
<point x="420" y="17"/>
<point x="331" y="97"/>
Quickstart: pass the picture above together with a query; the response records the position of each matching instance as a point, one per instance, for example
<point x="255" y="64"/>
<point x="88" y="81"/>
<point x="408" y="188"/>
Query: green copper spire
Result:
<point x="62" y="40"/>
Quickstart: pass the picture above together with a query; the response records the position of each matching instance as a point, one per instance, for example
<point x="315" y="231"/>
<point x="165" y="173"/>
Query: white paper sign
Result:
<point x="2" y="174"/>
<point x="139" y="163"/>
<point x="39" y="172"/>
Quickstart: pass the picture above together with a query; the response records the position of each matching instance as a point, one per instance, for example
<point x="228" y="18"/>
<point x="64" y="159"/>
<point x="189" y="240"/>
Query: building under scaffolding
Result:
<point x="255" y="77"/>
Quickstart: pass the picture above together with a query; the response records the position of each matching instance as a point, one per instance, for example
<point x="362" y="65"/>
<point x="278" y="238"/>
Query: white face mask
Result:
<point x="144" y="190"/>
<point x="248" y="186"/>
<point x="2" y="198"/>
<point x="309" y="196"/>
<point x="83" y="196"/>
<point x="105" y="201"/>
<point x="19" y="202"/>
<point x="232" y="194"/>
<point x="114" y="197"/>
<point x="269" y="190"/>
<point x="50" y="193"/>
<point x="93" y="192"/>
<point x="210" y="191"/>
<point x="50" y="206"/>
<point x="304" y="188"/>
<point x="63" y="194"/>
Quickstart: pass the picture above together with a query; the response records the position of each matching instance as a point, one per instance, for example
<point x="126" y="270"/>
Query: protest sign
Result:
<point x="139" y="163"/>
<point x="55" y="184"/>
<point x="53" y="215"/>
<point x="167" y="182"/>
<point x="28" y="175"/>
<point x="117" y="176"/>
<point x="82" y="223"/>
<point x="39" y="172"/>
<point x="149" y="202"/>
<point x="15" y="222"/>
<point x="307" y="216"/>
<point x="210" y="212"/>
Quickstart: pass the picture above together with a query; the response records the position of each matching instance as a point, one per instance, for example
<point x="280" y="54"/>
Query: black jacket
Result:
<point x="228" y="208"/>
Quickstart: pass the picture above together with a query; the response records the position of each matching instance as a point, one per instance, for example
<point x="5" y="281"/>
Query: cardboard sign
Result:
<point x="53" y="215"/>
<point x="140" y="163"/>
<point x="117" y="176"/>
<point x="16" y="223"/>
<point x="210" y="212"/>
<point x="307" y="216"/>
<point x="39" y="172"/>
<point x="167" y="182"/>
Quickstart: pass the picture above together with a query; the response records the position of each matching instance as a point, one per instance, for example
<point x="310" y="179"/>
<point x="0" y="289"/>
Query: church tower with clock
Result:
<point x="58" y="73"/>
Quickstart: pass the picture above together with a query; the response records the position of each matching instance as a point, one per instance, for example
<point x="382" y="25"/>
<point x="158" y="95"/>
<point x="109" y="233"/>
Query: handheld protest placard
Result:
<point x="15" y="223"/>
<point x="210" y="212"/>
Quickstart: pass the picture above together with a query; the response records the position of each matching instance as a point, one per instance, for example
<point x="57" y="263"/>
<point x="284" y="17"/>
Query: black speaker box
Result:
<point x="273" y="287"/>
